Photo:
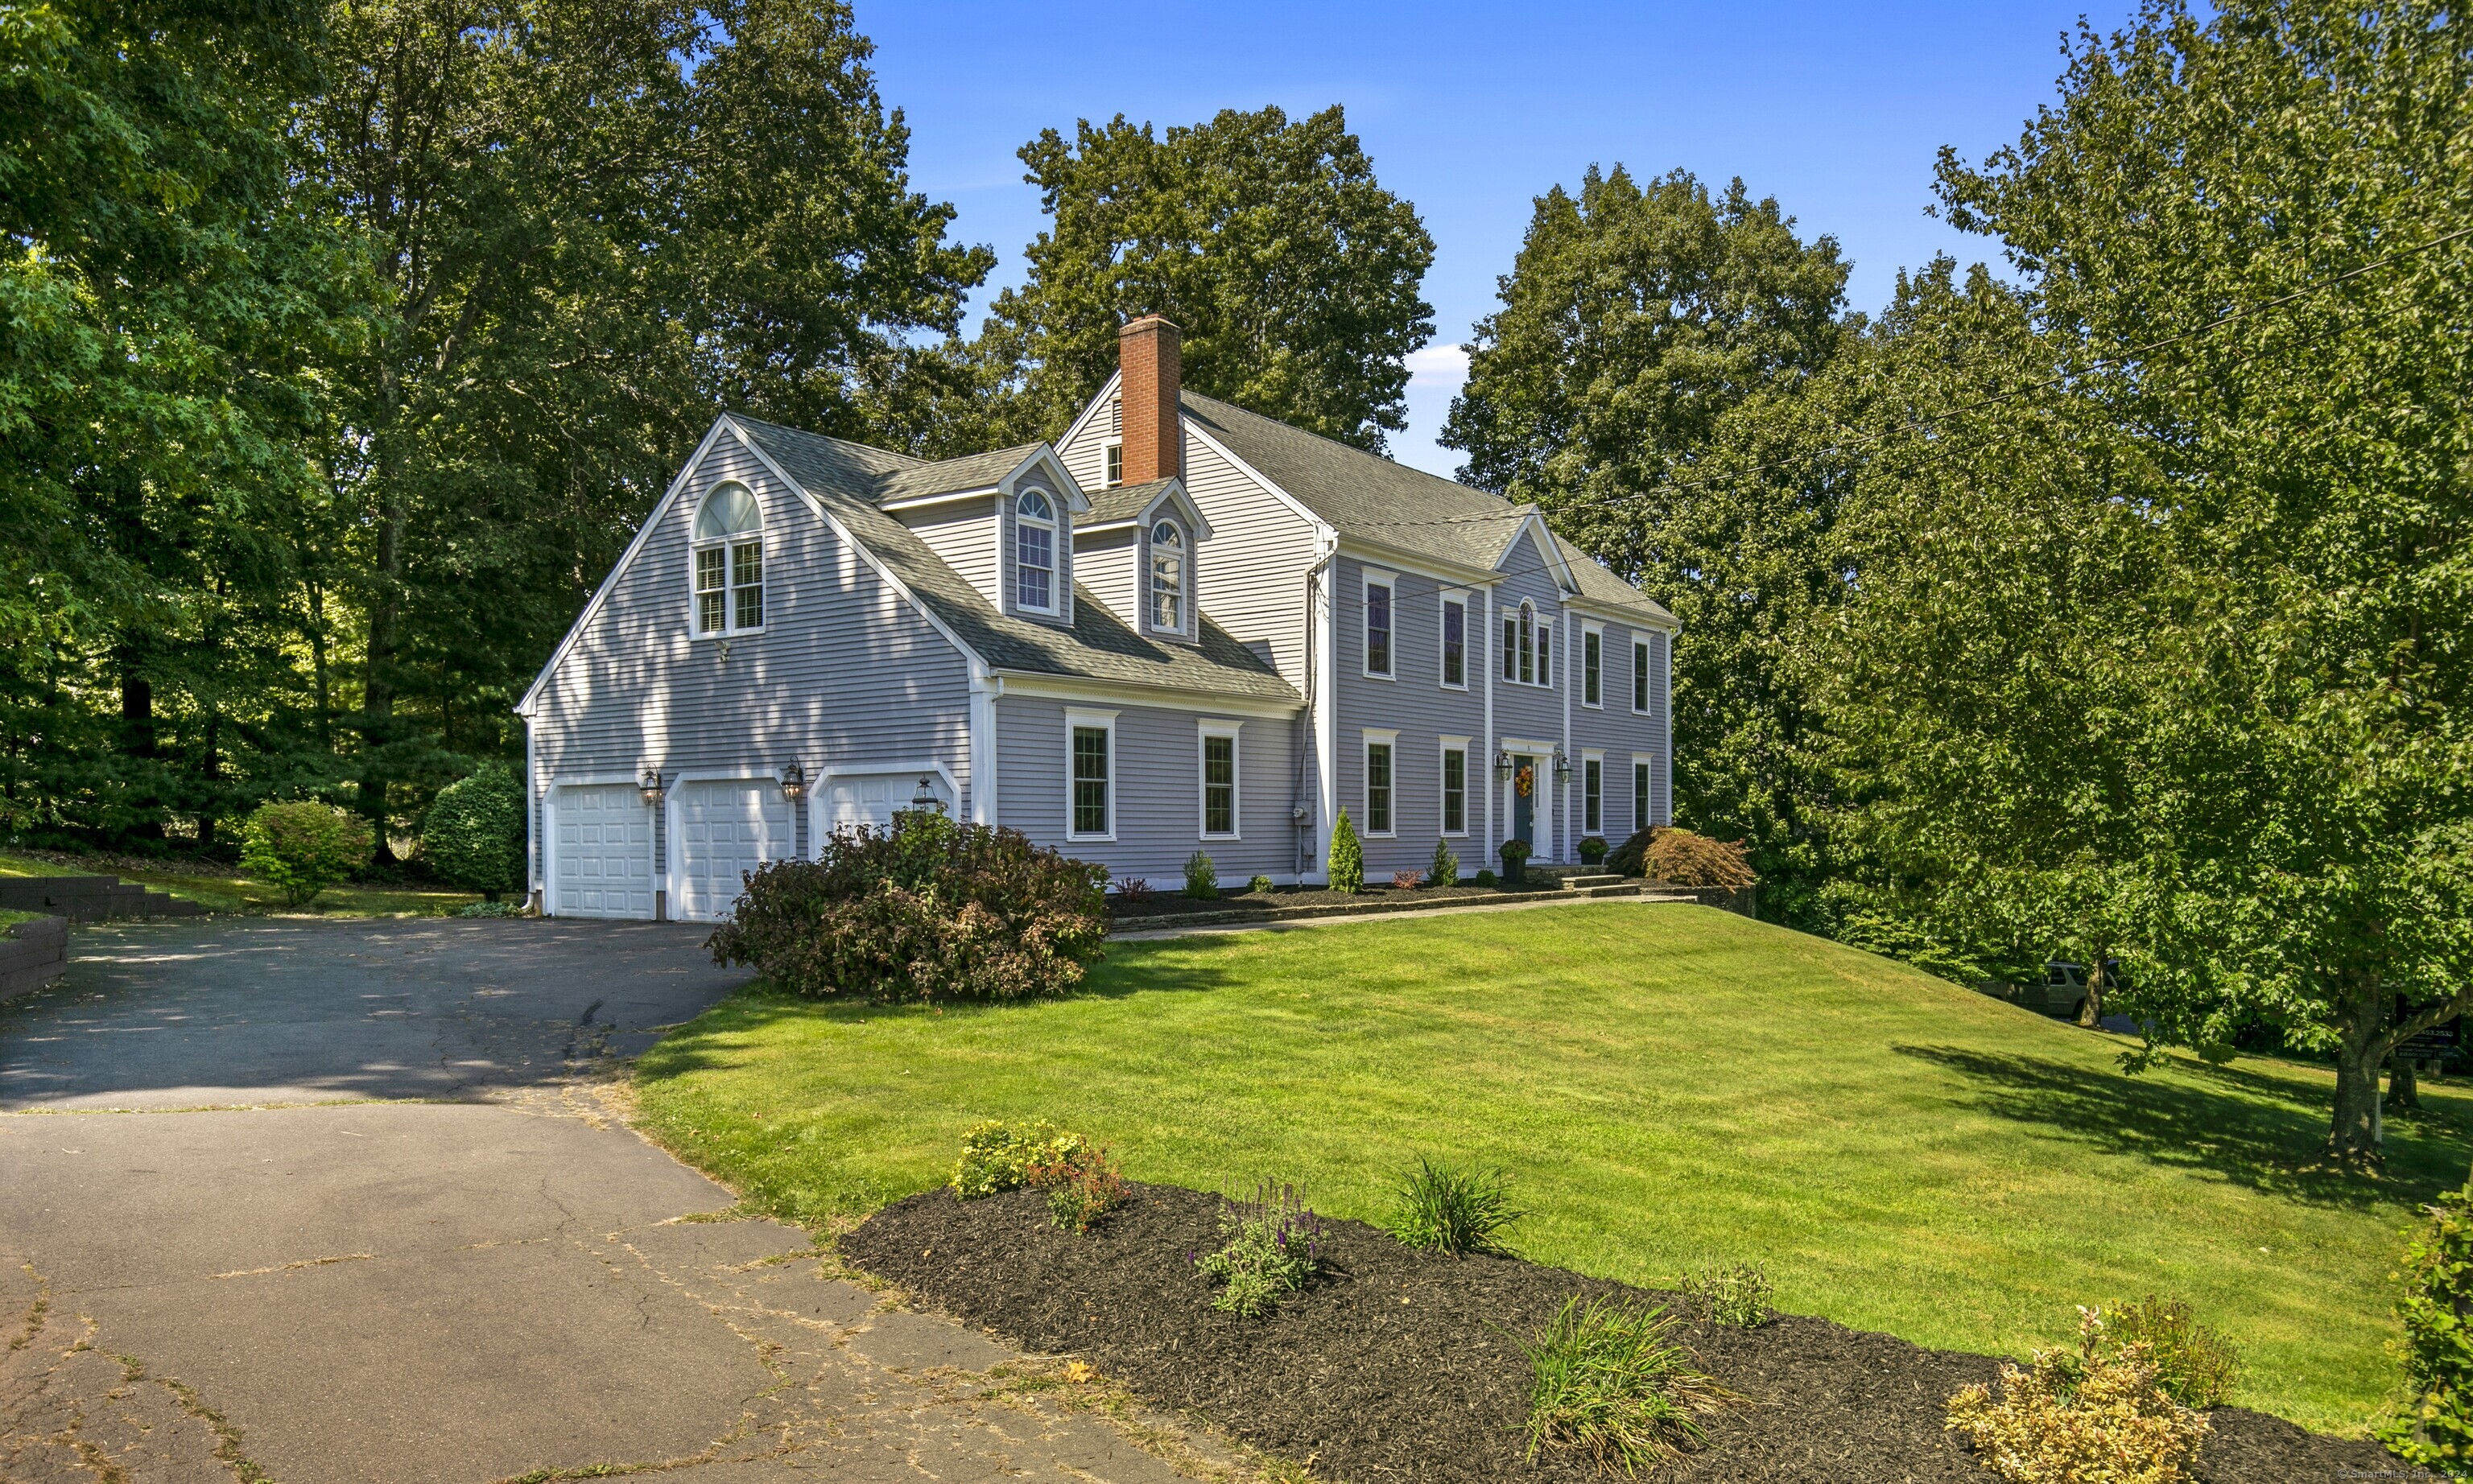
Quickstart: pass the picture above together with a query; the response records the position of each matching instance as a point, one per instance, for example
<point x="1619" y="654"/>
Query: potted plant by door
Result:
<point x="1514" y="863"/>
<point x="1592" y="851"/>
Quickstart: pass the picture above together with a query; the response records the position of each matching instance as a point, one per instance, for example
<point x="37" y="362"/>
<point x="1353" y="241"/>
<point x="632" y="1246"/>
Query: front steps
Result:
<point x="90" y="899"/>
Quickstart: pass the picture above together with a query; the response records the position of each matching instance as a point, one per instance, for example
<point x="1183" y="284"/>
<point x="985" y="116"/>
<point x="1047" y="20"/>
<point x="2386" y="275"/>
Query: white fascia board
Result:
<point x="1091" y="408"/>
<point x="944" y="497"/>
<point x="1046" y="453"/>
<point x="1542" y="535"/>
<point x="1077" y="689"/>
<point x="1175" y="491"/>
<point x="627" y="558"/>
<point x="850" y="538"/>
<point x="1322" y="527"/>
<point x="1612" y="613"/>
<point x="1449" y="573"/>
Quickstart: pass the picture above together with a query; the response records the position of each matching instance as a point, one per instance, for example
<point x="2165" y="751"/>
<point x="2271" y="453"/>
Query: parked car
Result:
<point x="2062" y="992"/>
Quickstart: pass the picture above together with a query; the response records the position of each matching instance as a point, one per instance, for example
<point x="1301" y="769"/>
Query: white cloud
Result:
<point x="1438" y="366"/>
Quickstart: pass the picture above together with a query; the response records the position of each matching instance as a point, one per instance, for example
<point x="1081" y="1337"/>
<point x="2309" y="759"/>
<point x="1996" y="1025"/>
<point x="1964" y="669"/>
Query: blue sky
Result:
<point x="1471" y="111"/>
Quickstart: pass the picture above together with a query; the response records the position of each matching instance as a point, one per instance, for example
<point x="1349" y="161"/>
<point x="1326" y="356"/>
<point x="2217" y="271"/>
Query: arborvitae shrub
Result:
<point x="1201" y="877"/>
<point x="1347" y="858"/>
<point x="1444" y="869"/>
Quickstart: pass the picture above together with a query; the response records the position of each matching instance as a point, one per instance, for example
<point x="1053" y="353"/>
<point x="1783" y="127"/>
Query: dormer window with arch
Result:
<point x="1171" y="576"/>
<point x="1034" y="552"/>
<point x="729" y="561"/>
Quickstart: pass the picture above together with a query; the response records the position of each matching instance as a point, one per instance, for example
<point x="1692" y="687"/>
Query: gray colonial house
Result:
<point x="1183" y="626"/>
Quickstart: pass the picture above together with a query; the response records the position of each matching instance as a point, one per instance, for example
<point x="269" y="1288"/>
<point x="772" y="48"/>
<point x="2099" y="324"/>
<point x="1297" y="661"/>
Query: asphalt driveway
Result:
<point x="231" y="1246"/>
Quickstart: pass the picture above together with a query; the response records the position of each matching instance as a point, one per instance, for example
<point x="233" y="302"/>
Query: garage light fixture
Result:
<point x="651" y="786"/>
<point x="794" y="780"/>
<point x="925" y="797"/>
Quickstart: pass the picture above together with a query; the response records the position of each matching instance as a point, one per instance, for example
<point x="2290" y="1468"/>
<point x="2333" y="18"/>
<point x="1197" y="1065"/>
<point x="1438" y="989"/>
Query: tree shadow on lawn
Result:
<point x="2253" y="1129"/>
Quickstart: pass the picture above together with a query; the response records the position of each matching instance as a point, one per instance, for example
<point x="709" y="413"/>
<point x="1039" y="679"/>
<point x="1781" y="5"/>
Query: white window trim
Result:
<point x="1642" y="677"/>
<point x="1449" y="596"/>
<point x="1371" y="737"/>
<point x="696" y="545"/>
<point x="1076" y="720"/>
<point x="1116" y="446"/>
<point x="1596" y="631"/>
<point x="1547" y="653"/>
<point x="1641" y="819"/>
<point x="1460" y="745"/>
<point x="1370" y="578"/>
<point x="1203" y="731"/>
<point x="1148" y="551"/>
<point x="1059" y="540"/>
<point x="1588" y="757"/>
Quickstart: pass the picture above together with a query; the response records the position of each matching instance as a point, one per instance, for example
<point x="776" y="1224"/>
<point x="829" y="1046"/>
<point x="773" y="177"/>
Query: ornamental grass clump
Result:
<point x="2095" y="1414"/>
<point x="2197" y="1366"/>
<point x="1733" y="1294"/>
<point x="1440" y="1209"/>
<point x="923" y="909"/>
<point x="1270" y="1246"/>
<point x="1610" y="1381"/>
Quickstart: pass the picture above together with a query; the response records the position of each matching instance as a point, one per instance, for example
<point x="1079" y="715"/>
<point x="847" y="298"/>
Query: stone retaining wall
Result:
<point x="32" y="954"/>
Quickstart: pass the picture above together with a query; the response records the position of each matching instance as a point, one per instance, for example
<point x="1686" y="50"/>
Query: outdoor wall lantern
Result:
<point x="1502" y="767"/>
<point x="1562" y="767"/>
<point x="794" y="780"/>
<point x="651" y="786"/>
<point x="925" y="797"/>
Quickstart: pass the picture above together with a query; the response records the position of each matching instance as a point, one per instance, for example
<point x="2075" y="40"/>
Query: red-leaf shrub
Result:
<point x="926" y="909"/>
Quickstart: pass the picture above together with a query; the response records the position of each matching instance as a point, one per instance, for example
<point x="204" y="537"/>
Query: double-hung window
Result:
<point x="1034" y="552"/>
<point x="1510" y="647"/>
<point x="1455" y="790"/>
<point x="1167" y="578"/>
<point x="1592" y="796"/>
<point x="1592" y="645"/>
<point x="1527" y="643"/>
<point x="1218" y="779"/>
<point x="729" y="555"/>
<point x="1378" y="747"/>
<point x="1377" y="625"/>
<point x="1638" y="794"/>
<point x="1116" y="470"/>
<point x="1545" y="654"/>
<point x="1455" y="643"/>
<point x="1640" y="676"/>
<point x="1093" y="758"/>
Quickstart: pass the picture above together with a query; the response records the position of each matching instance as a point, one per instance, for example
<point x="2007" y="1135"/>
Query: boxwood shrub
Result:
<point x="923" y="909"/>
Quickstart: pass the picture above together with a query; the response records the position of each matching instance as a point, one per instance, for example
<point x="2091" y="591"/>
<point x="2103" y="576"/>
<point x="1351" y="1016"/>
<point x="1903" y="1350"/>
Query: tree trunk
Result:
<point x="377" y="680"/>
<point x="2404" y="1088"/>
<point x="2362" y="1045"/>
<point x="2091" y="1010"/>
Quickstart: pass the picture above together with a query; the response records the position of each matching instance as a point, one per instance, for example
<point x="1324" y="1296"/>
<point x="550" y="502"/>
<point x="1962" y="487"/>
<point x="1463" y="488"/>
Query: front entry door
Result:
<point x="1524" y="806"/>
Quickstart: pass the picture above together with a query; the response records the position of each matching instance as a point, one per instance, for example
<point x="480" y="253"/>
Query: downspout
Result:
<point x="1300" y="814"/>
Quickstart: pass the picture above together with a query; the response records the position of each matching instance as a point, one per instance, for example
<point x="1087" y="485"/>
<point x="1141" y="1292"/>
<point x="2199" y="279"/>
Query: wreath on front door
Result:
<point x="1524" y="781"/>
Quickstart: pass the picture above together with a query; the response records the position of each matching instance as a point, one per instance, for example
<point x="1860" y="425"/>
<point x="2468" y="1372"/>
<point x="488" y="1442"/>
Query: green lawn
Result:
<point x="222" y="889"/>
<point x="1669" y="1086"/>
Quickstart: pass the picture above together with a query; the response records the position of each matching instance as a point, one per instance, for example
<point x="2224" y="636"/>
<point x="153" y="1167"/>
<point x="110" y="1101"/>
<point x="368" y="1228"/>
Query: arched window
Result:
<point x="1034" y="551"/>
<point x="1527" y="643"/>
<point x="1167" y="578"/>
<point x="729" y="555"/>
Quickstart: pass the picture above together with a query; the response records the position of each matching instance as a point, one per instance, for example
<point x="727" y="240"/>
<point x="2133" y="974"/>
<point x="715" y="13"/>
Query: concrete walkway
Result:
<point x="280" y="1287"/>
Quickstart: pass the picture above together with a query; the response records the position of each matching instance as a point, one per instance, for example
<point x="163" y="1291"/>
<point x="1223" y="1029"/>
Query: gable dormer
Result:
<point x="1139" y="549"/>
<point x="1002" y="520"/>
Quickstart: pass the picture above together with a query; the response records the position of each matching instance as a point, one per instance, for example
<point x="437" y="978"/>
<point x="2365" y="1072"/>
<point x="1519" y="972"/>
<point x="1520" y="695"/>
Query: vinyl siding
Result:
<point x="1618" y="732"/>
<point x="1064" y="552"/>
<point x="1158" y="790"/>
<point x="1415" y="704"/>
<point x="964" y="533"/>
<point x="1105" y="564"/>
<point x="844" y="672"/>
<point x="1532" y="712"/>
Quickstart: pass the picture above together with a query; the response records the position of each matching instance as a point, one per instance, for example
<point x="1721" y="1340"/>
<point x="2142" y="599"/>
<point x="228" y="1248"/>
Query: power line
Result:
<point x="1862" y="437"/>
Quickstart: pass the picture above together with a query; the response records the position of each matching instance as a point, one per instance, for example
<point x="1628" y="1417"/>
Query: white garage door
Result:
<point x="727" y="828"/>
<point x="601" y="851"/>
<point x="850" y="798"/>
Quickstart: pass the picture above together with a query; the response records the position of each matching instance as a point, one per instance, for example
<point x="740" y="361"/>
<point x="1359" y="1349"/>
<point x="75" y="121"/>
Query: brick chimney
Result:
<point x="1147" y="353"/>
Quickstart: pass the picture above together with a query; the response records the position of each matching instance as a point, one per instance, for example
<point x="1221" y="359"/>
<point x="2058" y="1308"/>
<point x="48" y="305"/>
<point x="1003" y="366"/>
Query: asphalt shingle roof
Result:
<point x="850" y="479"/>
<point x="1122" y="503"/>
<point x="1369" y="497"/>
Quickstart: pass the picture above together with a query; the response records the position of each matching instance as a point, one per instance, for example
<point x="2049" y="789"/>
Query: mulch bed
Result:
<point x="1400" y="1365"/>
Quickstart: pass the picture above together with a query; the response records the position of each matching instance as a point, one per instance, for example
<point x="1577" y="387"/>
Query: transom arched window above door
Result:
<point x="727" y="560"/>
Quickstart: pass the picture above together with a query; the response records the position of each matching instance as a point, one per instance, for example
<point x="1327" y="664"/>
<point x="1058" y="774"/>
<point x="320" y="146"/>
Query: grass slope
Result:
<point x="229" y="889"/>
<point x="1669" y="1086"/>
